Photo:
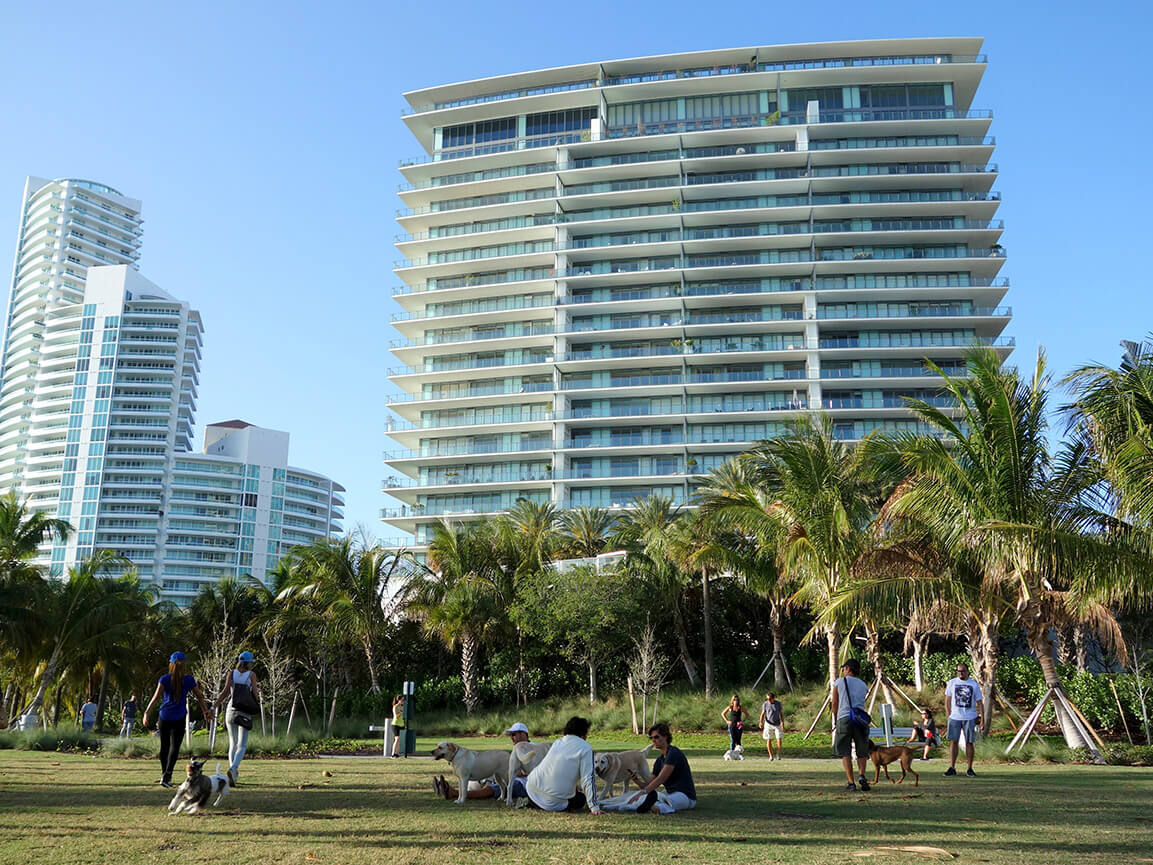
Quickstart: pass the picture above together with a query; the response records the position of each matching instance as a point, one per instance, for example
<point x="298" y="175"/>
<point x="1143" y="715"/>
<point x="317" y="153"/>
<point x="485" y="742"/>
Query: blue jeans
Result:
<point x="87" y="726"/>
<point x="237" y="742"/>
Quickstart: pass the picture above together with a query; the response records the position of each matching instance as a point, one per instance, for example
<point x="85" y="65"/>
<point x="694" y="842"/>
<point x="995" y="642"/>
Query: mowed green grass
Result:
<point x="62" y="808"/>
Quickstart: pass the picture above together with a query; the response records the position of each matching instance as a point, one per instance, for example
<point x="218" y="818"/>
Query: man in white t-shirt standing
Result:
<point x="964" y="704"/>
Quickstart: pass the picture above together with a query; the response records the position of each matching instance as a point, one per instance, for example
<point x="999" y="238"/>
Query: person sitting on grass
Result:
<point x="849" y="692"/>
<point x="552" y="785"/>
<point x="926" y="732"/>
<point x="670" y="769"/>
<point x="518" y="732"/>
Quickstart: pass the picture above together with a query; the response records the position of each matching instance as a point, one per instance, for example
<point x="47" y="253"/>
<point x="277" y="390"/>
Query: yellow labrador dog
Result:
<point x="621" y="766"/>
<point x="525" y="757"/>
<point x="469" y="765"/>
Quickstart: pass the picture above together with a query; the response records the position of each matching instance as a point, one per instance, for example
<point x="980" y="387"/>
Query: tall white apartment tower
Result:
<point x="620" y="274"/>
<point x="99" y="397"/>
<point x="66" y="227"/>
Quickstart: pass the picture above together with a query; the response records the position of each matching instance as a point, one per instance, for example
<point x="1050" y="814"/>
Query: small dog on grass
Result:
<point x="197" y="789"/>
<point x="882" y="757"/>
<point x="737" y="753"/>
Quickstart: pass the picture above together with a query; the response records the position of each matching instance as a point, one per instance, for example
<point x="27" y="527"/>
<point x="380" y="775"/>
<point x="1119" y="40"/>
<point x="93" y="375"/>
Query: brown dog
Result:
<point x="882" y="757"/>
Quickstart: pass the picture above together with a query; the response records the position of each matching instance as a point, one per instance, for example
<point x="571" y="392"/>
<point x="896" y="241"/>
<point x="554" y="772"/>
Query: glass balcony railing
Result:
<point x="729" y="406"/>
<point x="890" y="371"/>
<point x="469" y="392"/>
<point x="854" y="115"/>
<point x="475" y="176"/>
<point x="521" y="417"/>
<point x="473" y="336"/>
<point x="496" y="304"/>
<point x="842" y="402"/>
<point x="705" y="72"/>
<point x="918" y="312"/>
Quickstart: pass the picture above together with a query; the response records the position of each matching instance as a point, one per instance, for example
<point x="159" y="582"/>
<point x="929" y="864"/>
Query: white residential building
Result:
<point x="100" y="409"/>
<point x="618" y="275"/>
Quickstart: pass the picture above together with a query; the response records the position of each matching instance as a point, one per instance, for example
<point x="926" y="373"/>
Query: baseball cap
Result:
<point x="247" y="657"/>
<point x="175" y="656"/>
<point x="518" y="727"/>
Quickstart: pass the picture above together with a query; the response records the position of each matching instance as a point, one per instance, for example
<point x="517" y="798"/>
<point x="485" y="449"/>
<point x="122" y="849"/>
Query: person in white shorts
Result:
<point x="772" y="724"/>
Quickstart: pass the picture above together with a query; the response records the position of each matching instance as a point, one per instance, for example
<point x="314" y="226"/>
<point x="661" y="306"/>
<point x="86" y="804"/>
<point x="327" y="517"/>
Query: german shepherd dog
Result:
<point x="882" y="757"/>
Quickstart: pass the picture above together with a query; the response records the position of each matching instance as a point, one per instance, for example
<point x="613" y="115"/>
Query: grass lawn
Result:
<point x="65" y="808"/>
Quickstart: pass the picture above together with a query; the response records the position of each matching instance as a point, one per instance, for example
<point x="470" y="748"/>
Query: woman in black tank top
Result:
<point x="734" y="715"/>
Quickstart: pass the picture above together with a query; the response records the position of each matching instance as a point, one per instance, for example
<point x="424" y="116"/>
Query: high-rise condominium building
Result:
<point x="66" y="226"/>
<point x="620" y="274"/>
<point x="100" y="392"/>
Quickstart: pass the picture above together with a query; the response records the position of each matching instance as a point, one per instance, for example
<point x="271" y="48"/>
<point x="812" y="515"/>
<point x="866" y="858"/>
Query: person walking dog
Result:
<point x="849" y="693"/>
<point x="172" y="692"/>
<point x="241" y="692"/>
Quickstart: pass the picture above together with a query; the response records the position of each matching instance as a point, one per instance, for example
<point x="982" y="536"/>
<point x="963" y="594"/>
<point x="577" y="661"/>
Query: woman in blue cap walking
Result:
<point x="242" y="693"/>
<point x="172" y="690"/>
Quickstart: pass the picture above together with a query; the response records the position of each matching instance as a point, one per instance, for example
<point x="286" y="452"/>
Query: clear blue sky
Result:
<point x="263" y="139"/>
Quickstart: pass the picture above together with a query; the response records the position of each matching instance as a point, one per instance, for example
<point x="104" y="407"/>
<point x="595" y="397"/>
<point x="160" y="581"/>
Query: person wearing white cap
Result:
<point x="242" y="694"/>
<point x="518" y="732"/>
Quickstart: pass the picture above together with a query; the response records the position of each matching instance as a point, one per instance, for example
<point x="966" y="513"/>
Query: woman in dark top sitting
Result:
<point x="926" y="732"/>
<point x="670" y="769"/>
<point x="734" y="715"/>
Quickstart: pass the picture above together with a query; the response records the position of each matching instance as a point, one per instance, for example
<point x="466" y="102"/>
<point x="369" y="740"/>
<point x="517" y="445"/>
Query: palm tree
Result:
<point x="731" y="496"/>
<point x="1113" y="412"/>
<point x="989" y="493"/>
<point x="80" y="613"/>
<point x="527" y="536"/>
<point x="648" y="533"/>
<point x="462" y="596"/>
<point x="813" y="498"/>
<point x="21" y="534"/>
<point x="585" y="531"/>
<point x="346" y="582"/>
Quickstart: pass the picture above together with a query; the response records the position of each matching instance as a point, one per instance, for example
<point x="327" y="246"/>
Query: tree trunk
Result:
<point x="368" y="656"/>
<point x="56" y="705"/>
<point x="707" y="614"/>
<point x="1042" y="647"/>
<point x="984" y="651"/>
<point x="1082" y="640"/>
<point x="468" y="672"/>
<point x="102" y="698"/>
<point x="6" y="702"/>
<point x="592" y="681"/>
<point x="45" y="681"/>
<point x="833" y="642"/>
<point x="920" y="648"/>
<point x="1065" y="645"/>
<point x="873" y="650"/>
<point x="332" y="711"/>
<point x="683" y="645"/>
<point x="776" y="627"/>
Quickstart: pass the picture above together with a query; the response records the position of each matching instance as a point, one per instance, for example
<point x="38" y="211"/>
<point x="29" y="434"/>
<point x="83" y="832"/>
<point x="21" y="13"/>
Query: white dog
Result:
<point x="621" y="766"/>
<point x="469" y="765"/>
<point x="198" y="788"/>
<point x="525" y="757"/>
<point x="737" y="753"/>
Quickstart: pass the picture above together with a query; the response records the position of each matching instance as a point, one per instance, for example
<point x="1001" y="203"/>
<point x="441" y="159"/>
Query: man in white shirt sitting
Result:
<point x="518" y="733"/>
<point x="552" y="785"/>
